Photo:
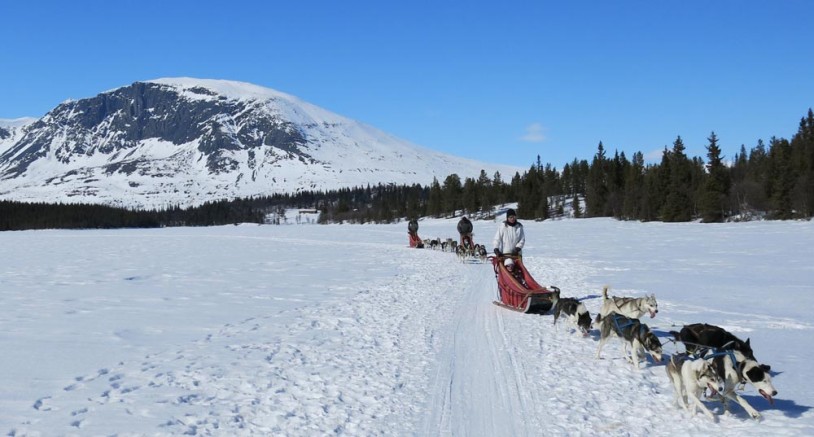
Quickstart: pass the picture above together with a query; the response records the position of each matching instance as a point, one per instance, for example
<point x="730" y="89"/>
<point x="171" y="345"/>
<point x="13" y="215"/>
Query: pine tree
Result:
<point x="528" y="193"/>
<point x="452" y="189"/>
<point x="487" y="196"/>
<point x="596" y="195"/>
<point x="781" y="178"/>
<point x="678" y="203"/>
<point x="469" y="196"/>
<point x="435" y="199"/>
<point x="716" y="187"/>
<point x="541" y="212"/>
<point x="499" y="190"/>
<point x="616" y="185"/>
<point x="634" y="188"/>
<point x="802" y="152"/>
<point x="575" y="206"/>
<point x="656" y="183"/>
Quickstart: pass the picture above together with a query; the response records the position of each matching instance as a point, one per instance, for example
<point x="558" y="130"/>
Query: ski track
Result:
<point x="360" y="367"/>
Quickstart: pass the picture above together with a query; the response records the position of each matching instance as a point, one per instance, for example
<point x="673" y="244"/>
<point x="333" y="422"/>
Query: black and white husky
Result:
<point x="480" y="250"/>
<point x="634" y="333"/>
<point x="460" y="250"/>
<point x="575" y="310"/>
<point x="631" y="307"/>
<point x="699" y="336"/>
<point x="737" y="370"/>
<point x="691" y="377"/>
<point x="734" y="361"/>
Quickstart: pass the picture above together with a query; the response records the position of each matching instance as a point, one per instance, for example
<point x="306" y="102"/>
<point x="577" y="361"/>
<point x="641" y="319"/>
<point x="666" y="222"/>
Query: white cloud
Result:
<point x="535" y="133"/>
<point x="654" y="155"/>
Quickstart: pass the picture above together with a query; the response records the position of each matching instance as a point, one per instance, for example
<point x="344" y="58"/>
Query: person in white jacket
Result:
<point x="510" y="238"/>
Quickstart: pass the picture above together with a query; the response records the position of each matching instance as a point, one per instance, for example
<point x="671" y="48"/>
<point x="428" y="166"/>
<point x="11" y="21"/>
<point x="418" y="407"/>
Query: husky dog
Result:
<point x="737" y="369"/>
<point x="480" y="250"/>
<point x="631" y="307"/>
<point x="448" y="245"/>
<point x="701" y="335"/>
<point x="691" y="377"/>
<point x="460" y="250"/>
<point x="733" y="360"/>
<point x="634" y="333"/>
<point x="574" y="309"/>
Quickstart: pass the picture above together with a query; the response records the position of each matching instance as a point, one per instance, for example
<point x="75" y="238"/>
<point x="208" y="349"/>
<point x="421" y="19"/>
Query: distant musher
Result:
<point x="412" y="231"/>
<point x="465" y="229"/>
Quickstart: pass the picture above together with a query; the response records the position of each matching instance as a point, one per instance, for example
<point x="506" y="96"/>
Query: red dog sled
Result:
<point x="412" y="231"/>
<point x="518" y="291"/>
<point x="415" y="241"/>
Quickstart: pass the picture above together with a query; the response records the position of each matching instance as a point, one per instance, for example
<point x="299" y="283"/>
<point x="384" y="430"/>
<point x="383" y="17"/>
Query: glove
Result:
<point x="498" y="252"/>
<point x="516" y="252"/>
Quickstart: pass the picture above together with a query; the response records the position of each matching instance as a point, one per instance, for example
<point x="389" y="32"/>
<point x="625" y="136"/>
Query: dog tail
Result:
<point x="605" y="296"/>
<point x="676" y="335"/>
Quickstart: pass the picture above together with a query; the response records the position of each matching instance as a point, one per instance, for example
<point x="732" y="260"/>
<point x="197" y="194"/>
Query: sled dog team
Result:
<point x="716" y="363"/>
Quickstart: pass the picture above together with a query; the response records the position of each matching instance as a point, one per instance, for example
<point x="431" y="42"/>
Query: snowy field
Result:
<point x="343" y="330"/>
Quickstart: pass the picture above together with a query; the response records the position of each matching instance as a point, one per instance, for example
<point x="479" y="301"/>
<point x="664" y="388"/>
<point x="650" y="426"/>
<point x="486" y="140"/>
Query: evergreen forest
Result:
<point x="772" y="181"/>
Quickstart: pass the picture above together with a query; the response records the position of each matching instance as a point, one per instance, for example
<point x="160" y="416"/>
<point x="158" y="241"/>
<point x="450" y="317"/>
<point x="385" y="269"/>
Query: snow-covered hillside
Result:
<point x="183" y="141"/>
<point x="340" y="329"/>
<point x="11" y="130"/>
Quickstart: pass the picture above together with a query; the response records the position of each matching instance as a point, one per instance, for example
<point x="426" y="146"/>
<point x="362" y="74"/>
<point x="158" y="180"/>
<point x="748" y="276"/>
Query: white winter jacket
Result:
<point x="508" y="237"/>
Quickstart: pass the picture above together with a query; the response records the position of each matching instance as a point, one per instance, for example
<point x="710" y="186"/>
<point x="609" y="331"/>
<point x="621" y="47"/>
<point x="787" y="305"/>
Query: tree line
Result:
<point x="15" y="216"/>
<point x="774" y="181"/>
<point x="770" y="181"/>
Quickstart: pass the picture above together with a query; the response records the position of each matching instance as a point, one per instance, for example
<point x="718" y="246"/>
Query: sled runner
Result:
<point x="519" y="291"/>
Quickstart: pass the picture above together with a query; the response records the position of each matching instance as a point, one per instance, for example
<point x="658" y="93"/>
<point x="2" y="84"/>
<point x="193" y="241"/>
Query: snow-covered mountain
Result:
<point x="183" y="141"/>
<point x="11" y="130"/>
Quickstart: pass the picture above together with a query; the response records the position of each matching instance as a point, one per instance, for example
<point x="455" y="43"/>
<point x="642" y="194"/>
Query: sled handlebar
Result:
<point x="505" y="256"/>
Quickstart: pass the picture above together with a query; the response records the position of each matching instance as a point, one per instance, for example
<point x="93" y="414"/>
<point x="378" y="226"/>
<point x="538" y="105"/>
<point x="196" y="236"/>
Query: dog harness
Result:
<point x="629" y="322"/>
<point x="701" y="353"/>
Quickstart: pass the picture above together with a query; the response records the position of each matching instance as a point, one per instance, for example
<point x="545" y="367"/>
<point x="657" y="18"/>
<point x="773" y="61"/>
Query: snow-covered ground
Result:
<point x="342" y="329"/>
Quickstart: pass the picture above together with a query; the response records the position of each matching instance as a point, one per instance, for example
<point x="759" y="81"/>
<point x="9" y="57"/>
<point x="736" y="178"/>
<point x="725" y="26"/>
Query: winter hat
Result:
<point x="508" y="262"/>
<point x="510" y="213"/>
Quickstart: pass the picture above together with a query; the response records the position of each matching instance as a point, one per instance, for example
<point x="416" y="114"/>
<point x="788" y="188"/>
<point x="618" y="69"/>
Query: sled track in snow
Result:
<point x="504" y="373"/>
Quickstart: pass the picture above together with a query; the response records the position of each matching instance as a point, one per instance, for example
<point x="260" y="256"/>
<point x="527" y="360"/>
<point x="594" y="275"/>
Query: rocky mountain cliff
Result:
<point x="183" y="141"/>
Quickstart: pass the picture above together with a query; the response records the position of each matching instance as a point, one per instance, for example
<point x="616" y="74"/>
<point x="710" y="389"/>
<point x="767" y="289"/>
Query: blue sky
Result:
<point x="490" y="81"/>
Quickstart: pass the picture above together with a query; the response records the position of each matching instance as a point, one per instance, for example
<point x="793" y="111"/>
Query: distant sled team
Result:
<point x="466" y="249"/>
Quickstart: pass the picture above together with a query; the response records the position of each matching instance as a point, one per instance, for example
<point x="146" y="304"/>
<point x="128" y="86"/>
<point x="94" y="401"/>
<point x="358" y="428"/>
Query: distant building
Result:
<point x="300" y="217"/>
